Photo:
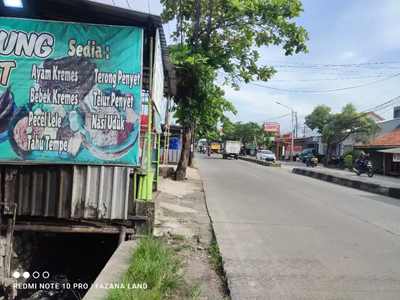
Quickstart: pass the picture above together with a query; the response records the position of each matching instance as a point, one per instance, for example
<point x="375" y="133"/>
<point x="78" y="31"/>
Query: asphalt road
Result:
<point x="285" y="236"/>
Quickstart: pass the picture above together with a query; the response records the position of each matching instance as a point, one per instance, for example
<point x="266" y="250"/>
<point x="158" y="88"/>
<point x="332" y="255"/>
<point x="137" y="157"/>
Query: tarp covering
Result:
<point x="393" y="150"/>
<point x="174" y="143"/>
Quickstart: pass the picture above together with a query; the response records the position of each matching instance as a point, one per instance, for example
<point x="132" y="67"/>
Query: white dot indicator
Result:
<point x="26" y="275"/>
<point x="36" y="275"/>
<point x="46" y="274"/>
<point x="16" y="275"/>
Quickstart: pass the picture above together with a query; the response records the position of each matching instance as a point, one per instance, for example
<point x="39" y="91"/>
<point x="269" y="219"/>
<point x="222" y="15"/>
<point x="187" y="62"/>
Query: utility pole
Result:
<point x="305" y="130"/>
<point x="297" y="125"/>
<point x="292" y="142"/>
<point x="293" y="131"/>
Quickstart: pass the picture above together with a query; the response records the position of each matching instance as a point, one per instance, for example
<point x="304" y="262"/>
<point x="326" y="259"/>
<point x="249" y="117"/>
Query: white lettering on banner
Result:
<point x="19" y="43"/>
<point x="117" y="78"/>
<point x="90" y="50"/>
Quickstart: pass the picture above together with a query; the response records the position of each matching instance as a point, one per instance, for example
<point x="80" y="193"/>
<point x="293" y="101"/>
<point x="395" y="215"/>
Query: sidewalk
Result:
<point x="377" y="179"/>
<point x="181" y="215"/>
<point x="379" y="185"/>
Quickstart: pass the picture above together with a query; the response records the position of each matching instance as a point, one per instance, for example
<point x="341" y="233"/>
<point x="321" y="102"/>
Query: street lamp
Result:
<point x="291" y="147"/>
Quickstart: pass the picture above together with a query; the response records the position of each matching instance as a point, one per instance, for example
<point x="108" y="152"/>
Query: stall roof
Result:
<point x="85" y="11"/>
<point x="393" y="150"/>
<point x="389" y="140"/>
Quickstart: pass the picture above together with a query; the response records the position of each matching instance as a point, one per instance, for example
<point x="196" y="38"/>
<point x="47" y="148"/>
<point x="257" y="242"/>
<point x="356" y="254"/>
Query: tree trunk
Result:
<point x="180" y="173"/>
<point x="327" y="155"/>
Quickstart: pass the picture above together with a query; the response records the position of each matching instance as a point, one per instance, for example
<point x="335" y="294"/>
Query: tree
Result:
<point x="335" y="128"/>
<point x="244" y="132"/>
<point x="220" y="35"/>
<point x="263" y="138"/>
<point x="320" y="117"/>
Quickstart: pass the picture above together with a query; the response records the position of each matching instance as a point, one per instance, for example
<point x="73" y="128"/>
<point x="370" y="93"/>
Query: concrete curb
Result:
<point x="260" y="162"/>
<point x="113" y="272"/>
<point x="371" y="187"/>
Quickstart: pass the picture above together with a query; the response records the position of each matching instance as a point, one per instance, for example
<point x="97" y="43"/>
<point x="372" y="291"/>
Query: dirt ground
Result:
<point x="183" y="220"/>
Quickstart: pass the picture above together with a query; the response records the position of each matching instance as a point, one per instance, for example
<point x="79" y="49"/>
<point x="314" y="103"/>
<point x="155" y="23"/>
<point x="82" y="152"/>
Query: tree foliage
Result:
<point x="247" y="133"/>
<point x="228" y="31"/>
<point x="336" y="128"/>
<point x="219" y="36"/>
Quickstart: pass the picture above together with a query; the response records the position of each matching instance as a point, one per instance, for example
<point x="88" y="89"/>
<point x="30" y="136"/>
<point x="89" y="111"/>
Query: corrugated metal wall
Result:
<point x="67" y="191"/>
<point x="173" y="155"/>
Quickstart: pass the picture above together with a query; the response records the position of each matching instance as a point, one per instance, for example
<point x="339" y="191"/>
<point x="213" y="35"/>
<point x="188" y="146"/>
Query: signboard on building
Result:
<point x="285" y="138"/>
<point x="158" y="76"/>
<point x="297" y="148"/>
<point x="272" y="127"/>
<point x="69" y="92"/>
<point x="396" y="157"/>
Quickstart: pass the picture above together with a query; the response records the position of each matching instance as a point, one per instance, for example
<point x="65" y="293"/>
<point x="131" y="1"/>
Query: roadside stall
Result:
<point x="72" y="93"/>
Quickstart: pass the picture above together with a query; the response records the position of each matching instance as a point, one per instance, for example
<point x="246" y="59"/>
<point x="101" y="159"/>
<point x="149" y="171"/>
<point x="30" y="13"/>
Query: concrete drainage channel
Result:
<point x="371" y="187"/>
<point x="112" y="273"/>
<point x="67" y="263"/>
<point x="260" y="162"/>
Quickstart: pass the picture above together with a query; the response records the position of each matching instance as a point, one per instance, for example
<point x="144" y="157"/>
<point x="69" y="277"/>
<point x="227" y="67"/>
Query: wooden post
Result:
<point x="9" y="241"/>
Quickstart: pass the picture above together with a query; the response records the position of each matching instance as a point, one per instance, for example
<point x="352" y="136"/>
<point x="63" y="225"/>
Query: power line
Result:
<point x="379" y="95"/>
<point x="127" y="2"/>
<point x="148" y="4"/>
<point x="326" y="91"/>
<point x="340" y="65"/>
<point x="269" y="120"/>
<point x="397" y="102"/>
<point x="336" y="74"/>
<point x="383" y="105"/>
<point x="328" y="79"/>
<point x="113" y="2"/>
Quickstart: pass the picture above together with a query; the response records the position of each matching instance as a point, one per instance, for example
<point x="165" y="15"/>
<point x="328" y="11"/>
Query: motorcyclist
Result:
<point x="310" y="156"/>
<point x="360" y="161"/>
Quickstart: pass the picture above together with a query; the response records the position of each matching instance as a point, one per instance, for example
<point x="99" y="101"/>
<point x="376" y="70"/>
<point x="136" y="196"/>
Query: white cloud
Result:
<point x="347" y="55"/>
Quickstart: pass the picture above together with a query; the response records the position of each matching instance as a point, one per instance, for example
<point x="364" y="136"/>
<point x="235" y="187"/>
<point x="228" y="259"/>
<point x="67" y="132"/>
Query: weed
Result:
<point x="194" y="292"/>
<point x="155" y="264"/>
<point x="178" y="237"/>
<point x="215" y="258"/>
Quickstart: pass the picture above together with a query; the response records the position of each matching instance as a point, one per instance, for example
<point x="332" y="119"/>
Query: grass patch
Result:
<point x="178" y="237"/>
<point x="194" y="292"/>
<point x="193" y="166"/>
<point x="215" y="258"/>
<point x="155" y="264"/>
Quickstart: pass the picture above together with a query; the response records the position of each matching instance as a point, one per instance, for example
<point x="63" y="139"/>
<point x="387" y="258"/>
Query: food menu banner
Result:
<point x="69" y="92"/>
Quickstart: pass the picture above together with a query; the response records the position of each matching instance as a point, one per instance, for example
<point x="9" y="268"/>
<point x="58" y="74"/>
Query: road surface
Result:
<point x="285" y="236"/>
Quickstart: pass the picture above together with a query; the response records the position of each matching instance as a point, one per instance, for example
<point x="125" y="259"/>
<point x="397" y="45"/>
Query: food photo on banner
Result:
<point x="69" y="92"/>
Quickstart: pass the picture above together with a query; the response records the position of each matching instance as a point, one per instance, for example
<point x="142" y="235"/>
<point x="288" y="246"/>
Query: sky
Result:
<point x="352" y="44"/>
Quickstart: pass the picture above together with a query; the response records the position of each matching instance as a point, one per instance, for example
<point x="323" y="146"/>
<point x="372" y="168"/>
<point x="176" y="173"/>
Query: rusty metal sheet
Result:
<point x="67" y="191"/>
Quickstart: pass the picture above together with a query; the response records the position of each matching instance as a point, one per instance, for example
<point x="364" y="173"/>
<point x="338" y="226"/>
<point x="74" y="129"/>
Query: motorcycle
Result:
<point x="368" y="169"/>
<point x="313" y="162"/>
<point x="335" y="160"/>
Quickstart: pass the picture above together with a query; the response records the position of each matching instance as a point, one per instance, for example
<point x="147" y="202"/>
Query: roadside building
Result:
<point x="377" y="148"/>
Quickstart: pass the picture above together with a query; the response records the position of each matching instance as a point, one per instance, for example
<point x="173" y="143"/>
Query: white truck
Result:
<point x="231" y="149"/>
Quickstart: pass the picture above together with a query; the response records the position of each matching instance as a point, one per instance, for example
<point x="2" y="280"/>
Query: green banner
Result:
<point x="69" y="93"/>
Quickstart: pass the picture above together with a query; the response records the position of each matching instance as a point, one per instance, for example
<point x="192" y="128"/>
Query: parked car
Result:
<point x="266" y="155"/>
